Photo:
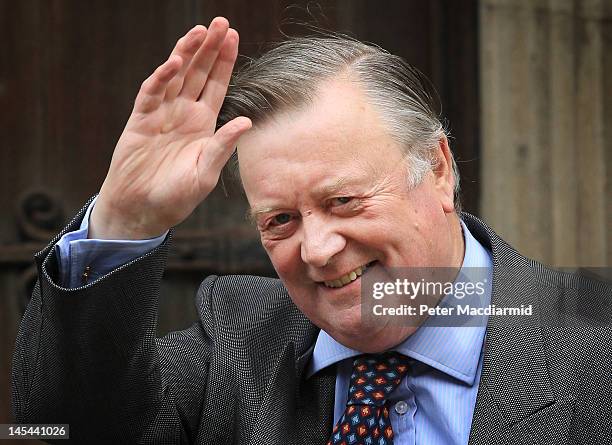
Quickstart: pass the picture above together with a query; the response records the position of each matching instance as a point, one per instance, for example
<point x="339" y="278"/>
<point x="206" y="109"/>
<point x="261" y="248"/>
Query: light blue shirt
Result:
<point x="436" y="399"/>
<point x="75" y="253"/>
<point x="434" y="403"/>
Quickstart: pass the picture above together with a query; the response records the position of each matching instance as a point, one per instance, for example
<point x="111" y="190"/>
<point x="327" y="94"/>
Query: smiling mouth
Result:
<point x="348" y="278"/>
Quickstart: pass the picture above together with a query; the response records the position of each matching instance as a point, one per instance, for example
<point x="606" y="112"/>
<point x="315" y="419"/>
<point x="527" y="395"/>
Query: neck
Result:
<point x="457" y="240"/>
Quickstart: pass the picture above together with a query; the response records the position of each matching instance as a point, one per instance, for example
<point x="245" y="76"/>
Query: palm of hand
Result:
<point x="160" y="152"/>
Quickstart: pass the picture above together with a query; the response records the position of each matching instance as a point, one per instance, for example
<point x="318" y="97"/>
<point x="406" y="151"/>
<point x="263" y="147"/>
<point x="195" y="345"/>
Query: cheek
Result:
<point x="285" y="257"/>
<point x="402" y="230"/>
<point x="384" y="226"/>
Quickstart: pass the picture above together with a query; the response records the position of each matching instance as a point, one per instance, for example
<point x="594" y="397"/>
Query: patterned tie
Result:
<point x="366" y="417"/>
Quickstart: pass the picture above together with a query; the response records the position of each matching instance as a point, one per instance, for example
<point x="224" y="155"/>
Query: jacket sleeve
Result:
<point x="88" y="357"/>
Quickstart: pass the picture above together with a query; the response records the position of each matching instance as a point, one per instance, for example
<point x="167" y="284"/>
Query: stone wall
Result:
<point x="546" y="127"/>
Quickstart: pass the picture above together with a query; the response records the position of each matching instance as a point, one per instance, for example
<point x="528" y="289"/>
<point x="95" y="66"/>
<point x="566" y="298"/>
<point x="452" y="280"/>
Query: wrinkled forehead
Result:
<point x="337" y="122"/>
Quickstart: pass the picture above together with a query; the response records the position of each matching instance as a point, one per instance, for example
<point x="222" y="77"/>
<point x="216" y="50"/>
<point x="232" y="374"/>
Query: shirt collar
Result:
<point x="452" y="350"/>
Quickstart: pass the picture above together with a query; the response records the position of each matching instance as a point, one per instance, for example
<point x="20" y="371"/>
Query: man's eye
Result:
<point x="341" y="200"/>
<point x="281" y="218"/>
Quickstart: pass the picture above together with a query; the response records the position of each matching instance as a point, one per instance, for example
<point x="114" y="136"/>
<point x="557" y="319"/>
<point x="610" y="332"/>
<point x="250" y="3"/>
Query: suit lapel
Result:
<point x="295" y="410"/>
<point x="315" y="406"/>
<point x="516" y="402"/>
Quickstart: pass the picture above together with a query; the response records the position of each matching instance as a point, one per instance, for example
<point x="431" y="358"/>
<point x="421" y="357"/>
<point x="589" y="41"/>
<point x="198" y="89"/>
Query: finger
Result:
<point x="186" y="48"/>
<point x="219" y="77"/>
<point x="216" y="154"/>
<point x="204" y="59"/>
<point x="153" y="89"/>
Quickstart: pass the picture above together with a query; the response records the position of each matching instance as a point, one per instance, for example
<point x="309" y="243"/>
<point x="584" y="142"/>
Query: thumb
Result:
<point x="224" y="141"/>
<point x="219" y="149"/>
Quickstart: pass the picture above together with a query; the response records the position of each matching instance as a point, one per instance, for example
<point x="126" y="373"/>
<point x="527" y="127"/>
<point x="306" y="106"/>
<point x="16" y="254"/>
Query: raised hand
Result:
<point x="169" y="157"/>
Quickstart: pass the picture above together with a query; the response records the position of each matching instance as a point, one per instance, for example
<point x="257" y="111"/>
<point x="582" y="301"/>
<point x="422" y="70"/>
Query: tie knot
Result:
<point x="375" y="376"/>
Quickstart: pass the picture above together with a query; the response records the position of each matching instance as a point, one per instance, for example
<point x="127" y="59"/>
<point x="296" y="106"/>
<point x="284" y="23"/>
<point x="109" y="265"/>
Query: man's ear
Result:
<point x="443" y="175"/>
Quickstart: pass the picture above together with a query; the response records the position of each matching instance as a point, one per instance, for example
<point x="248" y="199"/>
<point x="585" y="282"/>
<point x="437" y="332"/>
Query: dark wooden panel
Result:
<point x="455" y="72"/>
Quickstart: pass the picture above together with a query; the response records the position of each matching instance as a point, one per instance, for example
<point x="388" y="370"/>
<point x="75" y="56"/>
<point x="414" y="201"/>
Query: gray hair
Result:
<point x="286" y="78"/>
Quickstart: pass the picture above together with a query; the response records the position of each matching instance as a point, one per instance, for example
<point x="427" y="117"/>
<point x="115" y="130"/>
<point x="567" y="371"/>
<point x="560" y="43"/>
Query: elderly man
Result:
<point x="347" y="170"/>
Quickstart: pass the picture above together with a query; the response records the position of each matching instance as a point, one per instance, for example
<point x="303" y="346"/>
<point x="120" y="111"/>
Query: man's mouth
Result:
<point x="348" y="278"/>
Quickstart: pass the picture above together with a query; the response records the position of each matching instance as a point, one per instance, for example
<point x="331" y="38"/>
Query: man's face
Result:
<point x="328" y="188"/>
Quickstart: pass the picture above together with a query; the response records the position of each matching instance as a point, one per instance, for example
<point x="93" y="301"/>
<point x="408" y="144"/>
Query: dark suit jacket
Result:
<point x="89" y="357"/>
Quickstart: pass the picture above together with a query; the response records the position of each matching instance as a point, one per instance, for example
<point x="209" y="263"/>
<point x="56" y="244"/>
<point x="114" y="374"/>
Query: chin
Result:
<point x="369" y="346"/>
<point x="369" y="339"/>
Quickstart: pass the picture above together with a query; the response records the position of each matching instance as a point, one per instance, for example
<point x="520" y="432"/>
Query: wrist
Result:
<point x="109" y="223"/>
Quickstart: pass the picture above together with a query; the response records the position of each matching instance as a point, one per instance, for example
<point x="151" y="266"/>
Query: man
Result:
<point x="347" y="171"/>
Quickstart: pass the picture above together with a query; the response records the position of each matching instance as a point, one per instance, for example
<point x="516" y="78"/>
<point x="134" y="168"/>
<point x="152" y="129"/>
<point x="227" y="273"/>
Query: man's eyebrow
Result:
<point x="333" y="188"/>
<point x="339" y="186"/>
<point x="253" y="212"/>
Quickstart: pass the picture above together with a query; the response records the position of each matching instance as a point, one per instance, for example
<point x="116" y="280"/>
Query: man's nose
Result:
<point x="320" y="242"/>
